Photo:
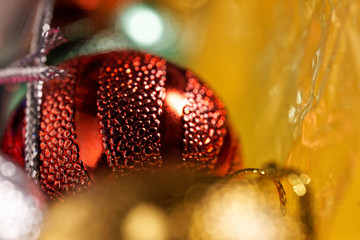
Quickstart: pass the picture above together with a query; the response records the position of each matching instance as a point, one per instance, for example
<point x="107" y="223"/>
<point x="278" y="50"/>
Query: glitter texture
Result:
<point x="130" y="99"/>
<point x="61" y="170"/>
<point x="204" y="125"/>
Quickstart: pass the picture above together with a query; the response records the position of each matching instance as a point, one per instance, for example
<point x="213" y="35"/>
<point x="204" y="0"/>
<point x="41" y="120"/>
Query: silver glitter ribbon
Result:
<point x="39" y="49"/>
<point x="32" y="69"/>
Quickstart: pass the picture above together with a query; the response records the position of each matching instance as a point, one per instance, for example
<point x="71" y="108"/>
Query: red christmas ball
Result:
<point x="125" y="111"/>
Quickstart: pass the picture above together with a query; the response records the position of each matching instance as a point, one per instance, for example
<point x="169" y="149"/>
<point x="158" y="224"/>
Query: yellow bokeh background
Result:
<point x="289" y="73"/>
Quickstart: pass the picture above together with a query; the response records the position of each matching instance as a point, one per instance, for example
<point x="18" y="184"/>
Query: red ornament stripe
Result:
<point x="204" y="125"/>
<point x="130" y="100"/>
<point x="61" y="170"/>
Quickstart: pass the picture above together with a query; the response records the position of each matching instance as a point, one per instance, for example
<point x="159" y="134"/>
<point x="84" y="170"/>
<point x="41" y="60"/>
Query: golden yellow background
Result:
<point x="289" y="73"/>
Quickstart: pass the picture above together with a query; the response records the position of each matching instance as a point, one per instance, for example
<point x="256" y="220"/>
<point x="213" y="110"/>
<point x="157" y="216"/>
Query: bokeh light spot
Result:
<point x="7" y="169"/>
<point x="20" y="217"/>
<point x="241" y="211"/>
<point x="145" y="222"/>
<point x="142" y="24"/>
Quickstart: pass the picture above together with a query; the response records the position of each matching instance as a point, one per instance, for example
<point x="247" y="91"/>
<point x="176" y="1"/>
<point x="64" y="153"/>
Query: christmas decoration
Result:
<point x="125" y="111"/>
<point x="287" y="72"/>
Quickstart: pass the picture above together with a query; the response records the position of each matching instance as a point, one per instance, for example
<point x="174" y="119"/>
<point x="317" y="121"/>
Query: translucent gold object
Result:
<point x="289" y="72"/>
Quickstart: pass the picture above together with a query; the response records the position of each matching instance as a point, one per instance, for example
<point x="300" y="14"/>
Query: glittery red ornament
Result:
<point x="125" y="111"/>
